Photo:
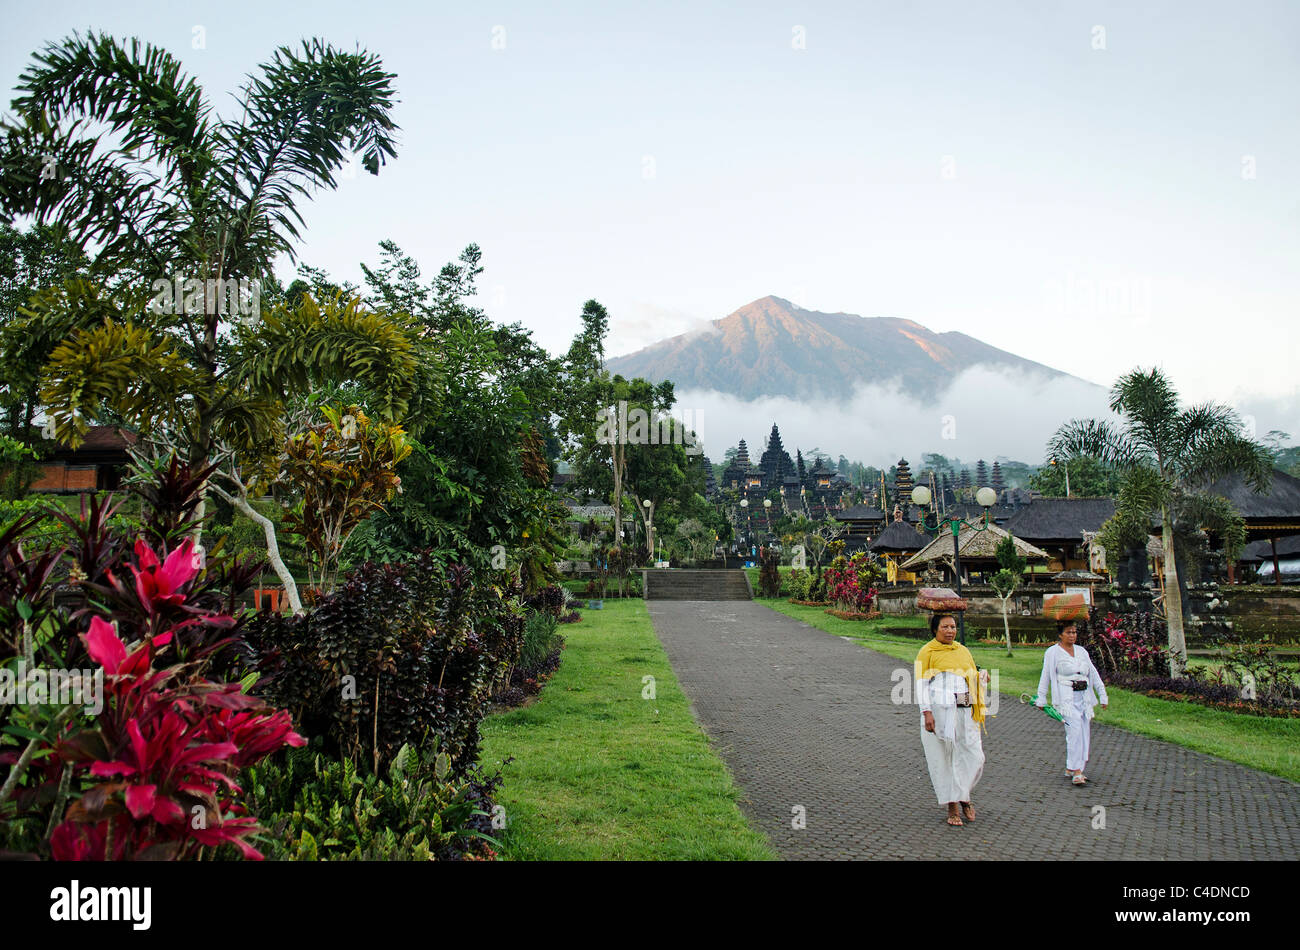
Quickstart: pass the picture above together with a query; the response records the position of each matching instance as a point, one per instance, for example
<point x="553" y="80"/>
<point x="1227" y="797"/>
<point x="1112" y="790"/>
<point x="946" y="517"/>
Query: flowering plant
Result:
<point x="849" y="583"/>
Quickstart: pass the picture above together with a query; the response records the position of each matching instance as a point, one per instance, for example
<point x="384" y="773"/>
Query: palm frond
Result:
<point x="294" y="348"/>
<point x="301" y="118"/>
<point x="123" y="367"/>
<point x="1094" y="438"/>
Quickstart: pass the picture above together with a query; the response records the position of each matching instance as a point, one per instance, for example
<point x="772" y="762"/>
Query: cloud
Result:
<point x="983" y="413"/>
<point x="635" y="326"/>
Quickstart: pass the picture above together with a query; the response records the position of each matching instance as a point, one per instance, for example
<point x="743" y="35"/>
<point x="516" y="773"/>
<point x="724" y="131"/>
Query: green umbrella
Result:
<point x="1047" y="708"/>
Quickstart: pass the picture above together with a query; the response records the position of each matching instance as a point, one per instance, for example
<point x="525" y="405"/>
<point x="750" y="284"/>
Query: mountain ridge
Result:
<point x="773" y="347"/>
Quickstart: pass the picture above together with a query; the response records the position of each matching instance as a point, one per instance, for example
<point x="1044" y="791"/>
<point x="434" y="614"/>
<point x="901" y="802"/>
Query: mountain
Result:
<point x="772" y="347"/>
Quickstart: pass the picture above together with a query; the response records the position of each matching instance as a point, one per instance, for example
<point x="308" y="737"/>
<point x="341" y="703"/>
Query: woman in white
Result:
<point x="948" y="690"/>
<point x="1076" y="690"/>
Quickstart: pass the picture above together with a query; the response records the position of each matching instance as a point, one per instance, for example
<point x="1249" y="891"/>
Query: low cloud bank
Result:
<point x="984" y="413"/>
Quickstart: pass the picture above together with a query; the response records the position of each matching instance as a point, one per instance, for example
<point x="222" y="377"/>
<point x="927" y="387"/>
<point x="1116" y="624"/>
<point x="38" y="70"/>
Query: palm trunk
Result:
<point x="1173" y="600"/>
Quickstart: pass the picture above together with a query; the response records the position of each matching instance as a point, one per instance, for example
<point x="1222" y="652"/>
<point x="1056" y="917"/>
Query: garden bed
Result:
<point x="811" y="603"/>
<point x="1213" y="695"/>
<point x="853" y="614"/>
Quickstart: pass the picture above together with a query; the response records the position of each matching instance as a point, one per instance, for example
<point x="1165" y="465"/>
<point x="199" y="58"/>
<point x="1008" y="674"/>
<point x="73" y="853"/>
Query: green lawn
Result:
<point x="1271" y="745"/>
<point x="599" y="773"/>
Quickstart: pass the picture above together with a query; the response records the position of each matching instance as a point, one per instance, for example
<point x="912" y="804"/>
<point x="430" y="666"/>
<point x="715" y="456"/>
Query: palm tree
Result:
<point x="1167" y="456"/>
<point x="116" y="145"/>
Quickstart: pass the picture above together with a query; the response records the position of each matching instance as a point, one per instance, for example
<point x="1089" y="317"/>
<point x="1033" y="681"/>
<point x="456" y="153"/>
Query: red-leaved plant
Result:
<point x="167" y="747"/>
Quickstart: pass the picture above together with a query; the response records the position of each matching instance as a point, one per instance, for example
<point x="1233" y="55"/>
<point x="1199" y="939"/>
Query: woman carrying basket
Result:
<point x="1076" y="690"/>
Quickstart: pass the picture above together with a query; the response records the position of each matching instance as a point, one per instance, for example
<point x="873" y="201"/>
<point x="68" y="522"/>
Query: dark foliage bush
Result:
<point x="1131" y="643"/>
<point x="769" y="575"/>
<point x="400" y="654"/>
<point x="548" y="600"/>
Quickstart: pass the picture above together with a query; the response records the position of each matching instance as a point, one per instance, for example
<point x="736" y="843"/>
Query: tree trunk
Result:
<point x="1173" y="600"/>
<point x="1006" y="624"/>
<point x="272" y="546"/>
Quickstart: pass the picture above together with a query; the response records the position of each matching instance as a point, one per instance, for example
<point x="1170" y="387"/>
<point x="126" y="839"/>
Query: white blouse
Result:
<point x="942" y="689"/>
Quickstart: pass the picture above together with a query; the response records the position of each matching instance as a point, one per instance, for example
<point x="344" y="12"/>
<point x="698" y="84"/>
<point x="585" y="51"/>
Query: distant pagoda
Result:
<point x="981" y="474"/>
<point x="903" y="484"/>
<point x="999" y="483"/>
<point x="775" y="462"/>
<point x="733" y="476"/>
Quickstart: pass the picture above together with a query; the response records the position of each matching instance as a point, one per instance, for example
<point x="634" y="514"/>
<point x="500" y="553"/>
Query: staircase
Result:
<point x="680" y="584"/>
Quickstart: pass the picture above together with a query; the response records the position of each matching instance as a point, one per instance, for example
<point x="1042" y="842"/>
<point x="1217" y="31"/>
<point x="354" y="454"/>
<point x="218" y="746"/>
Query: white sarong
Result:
<point x="955" y="764"/>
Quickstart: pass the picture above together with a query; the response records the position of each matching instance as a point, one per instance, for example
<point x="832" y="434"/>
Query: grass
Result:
<point x="599" y="773"/>
<point x="1268" y="744"/>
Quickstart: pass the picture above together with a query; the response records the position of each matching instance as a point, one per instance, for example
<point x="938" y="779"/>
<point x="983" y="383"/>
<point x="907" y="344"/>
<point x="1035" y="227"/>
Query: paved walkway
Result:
<point x="804" y="718"/>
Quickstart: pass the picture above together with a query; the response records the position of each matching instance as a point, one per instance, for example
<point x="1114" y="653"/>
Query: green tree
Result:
<point x="30" y="261"/>
<point x="1089" y="477"/>
<point x="116" y="145"/>
<point x="1167" y="455"/>
<point x="1011" y="569"/>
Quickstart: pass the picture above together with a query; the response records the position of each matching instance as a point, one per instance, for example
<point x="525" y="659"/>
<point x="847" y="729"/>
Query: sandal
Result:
<point x="968" y="811"/>
<point x="1079" y="779"/>
<point x="954" y="821"/>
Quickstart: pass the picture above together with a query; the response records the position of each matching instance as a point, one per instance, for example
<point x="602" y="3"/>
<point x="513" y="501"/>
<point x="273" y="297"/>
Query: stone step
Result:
<point x="688" y="584"/>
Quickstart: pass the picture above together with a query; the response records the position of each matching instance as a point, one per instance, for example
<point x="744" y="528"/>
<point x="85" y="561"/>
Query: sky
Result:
<point x="1094" y="186"/>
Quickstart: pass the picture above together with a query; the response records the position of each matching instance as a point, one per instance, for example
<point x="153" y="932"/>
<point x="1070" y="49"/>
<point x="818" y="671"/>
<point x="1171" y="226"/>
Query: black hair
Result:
<point x="935" y="620"/>
<point x="1062" y="625"/>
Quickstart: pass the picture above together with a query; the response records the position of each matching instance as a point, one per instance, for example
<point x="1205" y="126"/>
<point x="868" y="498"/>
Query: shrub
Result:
<point x="849" y="583"/>
<point x="398" y="654"/>
<point x="800" y="583"/>
<point x="769" y="575"/>
<point x="1131" y="643"/>
<point x="540" y="640"/>
<point x="320" y="809"/>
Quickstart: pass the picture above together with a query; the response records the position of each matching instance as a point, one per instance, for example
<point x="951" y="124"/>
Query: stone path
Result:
<point x="804" y="718"/>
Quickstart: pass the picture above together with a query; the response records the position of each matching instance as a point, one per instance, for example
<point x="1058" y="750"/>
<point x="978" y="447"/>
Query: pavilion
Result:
<point x="976" y="546"/>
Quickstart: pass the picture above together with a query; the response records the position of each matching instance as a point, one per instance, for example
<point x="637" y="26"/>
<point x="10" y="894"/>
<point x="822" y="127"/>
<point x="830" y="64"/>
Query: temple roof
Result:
<point x="1282" y="500"/>
<point x="1060" y="519"/>
<point x="861" y="513"/>
<point x="899" y="536"/>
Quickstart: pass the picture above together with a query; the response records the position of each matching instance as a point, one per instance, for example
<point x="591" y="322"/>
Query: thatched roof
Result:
<point x="1281" y="501"/>
<point x="1263" y="550"/>
<point x="899" y="536"/>
<point x="973" y="545"/>
<point x="1060" y="519"/>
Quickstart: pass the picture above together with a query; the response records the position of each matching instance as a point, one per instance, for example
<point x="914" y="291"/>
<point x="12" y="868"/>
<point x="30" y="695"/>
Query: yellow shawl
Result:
<point x="936" y="657"/>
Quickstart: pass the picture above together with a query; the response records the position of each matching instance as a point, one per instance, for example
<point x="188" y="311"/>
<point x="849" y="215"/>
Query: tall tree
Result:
<point x="30" y="261"/>
<point x="1167" y="456"/>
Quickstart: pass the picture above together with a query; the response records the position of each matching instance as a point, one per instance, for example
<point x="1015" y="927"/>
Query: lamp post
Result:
<point x="985" y="498"/>
<point x="767" y="511"/>
<point x="1065" y="466"/>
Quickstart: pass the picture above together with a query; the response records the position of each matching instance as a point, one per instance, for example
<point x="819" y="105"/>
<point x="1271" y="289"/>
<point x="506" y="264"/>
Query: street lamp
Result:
<point x="1066" y="468"/>
<point x="767" y="511"/>
<point x="985" y="498"/>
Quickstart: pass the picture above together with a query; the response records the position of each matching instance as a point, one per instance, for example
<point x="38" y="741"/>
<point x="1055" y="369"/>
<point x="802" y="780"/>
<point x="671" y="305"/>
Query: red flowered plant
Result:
<point x="165" y="750"/>
<point x="849" y="583"/>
